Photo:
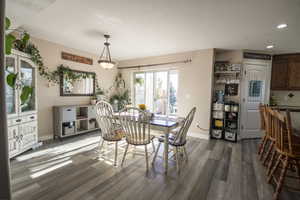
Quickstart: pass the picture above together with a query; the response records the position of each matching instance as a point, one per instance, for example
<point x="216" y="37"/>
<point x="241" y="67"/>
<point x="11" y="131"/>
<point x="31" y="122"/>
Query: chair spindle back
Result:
<point x="180" y="137"/>
<point x="136" y="125"/>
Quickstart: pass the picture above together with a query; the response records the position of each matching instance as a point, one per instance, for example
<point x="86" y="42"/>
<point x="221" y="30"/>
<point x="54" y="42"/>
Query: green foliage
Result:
<point x="99" y="91"/>
<point x="7" y="23"/>
<point x="9" y="38"/>
<point x="25" y="94"/>
<point x="139" y="81"/>
<point x="11" y="79"/>
<point x="9" y="41"/>
<point x="120" y="94"/>
<point x="22" y="43"/>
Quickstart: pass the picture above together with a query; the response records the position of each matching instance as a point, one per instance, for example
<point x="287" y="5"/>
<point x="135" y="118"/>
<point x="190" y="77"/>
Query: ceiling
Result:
<point x="141" y="28"/>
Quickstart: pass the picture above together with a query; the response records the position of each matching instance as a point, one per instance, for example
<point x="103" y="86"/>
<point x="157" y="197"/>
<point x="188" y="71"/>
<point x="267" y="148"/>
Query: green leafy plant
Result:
<point x="25" y="94"/>
<point x="120" y="94"/>
<point x="9" y="38"/>
<point x="139" y="81"/>
<point x="11" y="79"/>
<point x="9" y="41"/>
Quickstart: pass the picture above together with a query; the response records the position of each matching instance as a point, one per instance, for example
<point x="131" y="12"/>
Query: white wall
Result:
<point x="195" y="83"/>
<point x="50" y="96"/>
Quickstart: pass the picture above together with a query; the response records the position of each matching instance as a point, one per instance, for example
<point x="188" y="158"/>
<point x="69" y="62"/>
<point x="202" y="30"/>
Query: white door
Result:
<point x="255" y="90"/>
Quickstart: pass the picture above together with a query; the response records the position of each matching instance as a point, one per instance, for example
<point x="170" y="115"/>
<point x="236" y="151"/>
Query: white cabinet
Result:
<point x="21" y="112"/>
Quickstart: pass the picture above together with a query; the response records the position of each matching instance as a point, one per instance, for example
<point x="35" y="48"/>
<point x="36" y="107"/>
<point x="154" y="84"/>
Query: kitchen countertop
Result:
<point x="287" y="107"/>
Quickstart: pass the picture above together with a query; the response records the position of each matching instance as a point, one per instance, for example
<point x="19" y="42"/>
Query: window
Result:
<point x="158" y="90"/>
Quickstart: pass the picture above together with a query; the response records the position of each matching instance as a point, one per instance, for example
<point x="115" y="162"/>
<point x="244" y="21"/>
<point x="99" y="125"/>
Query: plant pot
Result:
<point x="93" y="101"/>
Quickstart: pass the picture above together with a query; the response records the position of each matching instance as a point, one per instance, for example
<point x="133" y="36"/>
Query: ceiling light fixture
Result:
<point x="105" y="58"/>
<point x="281" y="26"/>
<point x="270" y="46"/>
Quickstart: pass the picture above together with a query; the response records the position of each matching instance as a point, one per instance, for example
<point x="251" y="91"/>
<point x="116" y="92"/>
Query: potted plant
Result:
<point x="100" y="94"/>
<point x="93" y="100"/>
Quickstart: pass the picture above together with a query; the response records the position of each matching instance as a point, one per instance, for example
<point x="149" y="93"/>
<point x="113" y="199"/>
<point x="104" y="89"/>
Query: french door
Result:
<point x="157" y="90"/>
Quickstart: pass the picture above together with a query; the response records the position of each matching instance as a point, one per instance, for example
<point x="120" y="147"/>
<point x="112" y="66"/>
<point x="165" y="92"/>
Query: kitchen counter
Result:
<point x="286" y="107"/>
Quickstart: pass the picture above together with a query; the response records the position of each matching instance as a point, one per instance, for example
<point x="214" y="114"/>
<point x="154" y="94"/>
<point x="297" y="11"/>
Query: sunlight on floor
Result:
<point x="72" y="148"/>
<point x="50" y="169"/>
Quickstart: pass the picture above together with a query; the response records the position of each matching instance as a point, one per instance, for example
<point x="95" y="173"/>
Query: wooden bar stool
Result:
<point x="270" y="134"/>
<point x="265" y="139"/>
<point x="287" y="147"/>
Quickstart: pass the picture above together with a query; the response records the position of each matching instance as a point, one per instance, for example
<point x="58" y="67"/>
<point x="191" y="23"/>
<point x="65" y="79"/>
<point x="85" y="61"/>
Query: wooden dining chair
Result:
<point x="178" y="141"/>
<point x="136" y="125"/>
<point x="265" y="139"/>
<point x="267" y="157"/>
<point x="287" y="147"/>
<point x="111" y="131"/>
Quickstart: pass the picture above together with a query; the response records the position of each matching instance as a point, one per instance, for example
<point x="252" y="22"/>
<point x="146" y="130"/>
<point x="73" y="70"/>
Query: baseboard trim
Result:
<point x="45" y="137"/>
<point x="204" y="136"/>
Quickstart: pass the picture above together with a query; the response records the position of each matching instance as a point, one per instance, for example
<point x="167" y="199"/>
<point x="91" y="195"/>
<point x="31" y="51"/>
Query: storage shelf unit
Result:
<point x="225" y="109"/>
<point x="72" y="120"/>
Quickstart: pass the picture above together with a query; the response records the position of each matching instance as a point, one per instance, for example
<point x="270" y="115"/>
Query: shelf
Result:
<point x="227" y="72"/>
<point x="81" y="118"/>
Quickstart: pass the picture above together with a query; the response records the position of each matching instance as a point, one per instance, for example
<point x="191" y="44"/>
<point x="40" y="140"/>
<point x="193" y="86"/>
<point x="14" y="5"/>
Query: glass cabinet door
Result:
<point x="10" y="92"/>
<point x="27" y="91"/>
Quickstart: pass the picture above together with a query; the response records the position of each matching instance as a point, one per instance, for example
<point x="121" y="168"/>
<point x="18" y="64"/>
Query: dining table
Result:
<point x="164" y="124"/>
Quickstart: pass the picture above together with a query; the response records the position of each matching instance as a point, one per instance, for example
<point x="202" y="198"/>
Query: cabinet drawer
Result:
<point x="68" y="114"/>
<point x="14" y="121"/>
<point x="29" y="118"/>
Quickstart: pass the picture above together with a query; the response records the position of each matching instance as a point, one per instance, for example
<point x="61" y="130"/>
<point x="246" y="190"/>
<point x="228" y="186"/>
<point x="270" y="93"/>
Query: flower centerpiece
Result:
<point x="142" y="107"/>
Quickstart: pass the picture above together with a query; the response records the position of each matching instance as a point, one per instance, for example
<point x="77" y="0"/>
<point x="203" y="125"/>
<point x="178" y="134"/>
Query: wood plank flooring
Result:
<point x="73" y="169"/>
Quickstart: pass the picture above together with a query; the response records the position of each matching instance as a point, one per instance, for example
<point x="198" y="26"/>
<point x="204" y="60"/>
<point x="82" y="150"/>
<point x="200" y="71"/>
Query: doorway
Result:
<point x="255" y="90"/>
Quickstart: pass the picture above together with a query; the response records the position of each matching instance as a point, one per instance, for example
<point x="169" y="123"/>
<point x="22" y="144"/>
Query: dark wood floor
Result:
<point x="72" y="169"/>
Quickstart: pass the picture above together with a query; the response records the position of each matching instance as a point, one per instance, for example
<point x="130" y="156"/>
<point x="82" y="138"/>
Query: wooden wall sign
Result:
<point x="257" y="56"/>
<point x="75" y="58"/>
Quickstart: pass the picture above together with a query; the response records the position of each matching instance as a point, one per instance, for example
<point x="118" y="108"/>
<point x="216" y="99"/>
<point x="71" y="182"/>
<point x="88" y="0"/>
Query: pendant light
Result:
<point x="105" y="59"/>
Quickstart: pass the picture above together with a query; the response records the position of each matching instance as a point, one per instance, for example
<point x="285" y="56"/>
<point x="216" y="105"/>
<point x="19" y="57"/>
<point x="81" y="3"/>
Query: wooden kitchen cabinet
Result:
<point x="294" y="74"/>
<point x="279" y="74"/>
<point x="286" y="72"/>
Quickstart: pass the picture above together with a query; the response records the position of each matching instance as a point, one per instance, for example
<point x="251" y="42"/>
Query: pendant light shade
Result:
<point x="105" y="58"/>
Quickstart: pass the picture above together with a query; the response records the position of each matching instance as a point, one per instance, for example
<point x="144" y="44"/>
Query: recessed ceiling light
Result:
<point x="270" y="46"/>
<point x="281" y="26"/>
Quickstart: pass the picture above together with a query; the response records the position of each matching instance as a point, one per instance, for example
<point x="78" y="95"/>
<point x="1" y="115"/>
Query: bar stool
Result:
<point x="287" y="147"/>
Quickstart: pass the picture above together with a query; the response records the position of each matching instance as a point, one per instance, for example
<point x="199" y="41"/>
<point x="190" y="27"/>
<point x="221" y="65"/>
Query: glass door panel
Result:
<point x="173" y="87"/>
<point x="27" y="92"/>
<point x="149" y="90"/>
<point x="160" y="92"/>
<point x="10" y="91"/>
<point x="139" y="84"/>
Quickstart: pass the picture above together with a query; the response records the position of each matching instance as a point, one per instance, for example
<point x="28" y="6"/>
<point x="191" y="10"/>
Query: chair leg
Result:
<point x="260" y="148"/>
<point x="298" y="169"/>
<point x="281" y="178"/>
<point x="123" y="159"/>
<point x="116" y="153"/>
<point x="185" y="154"/>
<point x="274" y="168"/>
<point x="271" y="162"/>
<point x="153" y="146"/>
<point x="263" y="147"/>
<point x="268" y="153"/>
<point x="101" y="145"/>
<point x="133" y="152"/>
<point x="156" y="152"/>
<point x="177" y="158"/>
<point x="146" y="155"/>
